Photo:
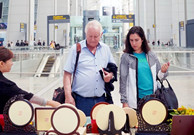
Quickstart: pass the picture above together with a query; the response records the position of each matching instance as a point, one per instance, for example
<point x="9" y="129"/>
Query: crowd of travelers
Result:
<point x="37" y="45"/>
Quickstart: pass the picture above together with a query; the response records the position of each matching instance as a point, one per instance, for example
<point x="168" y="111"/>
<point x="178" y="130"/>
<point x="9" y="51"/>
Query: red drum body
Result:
<point x="93" y="128"/>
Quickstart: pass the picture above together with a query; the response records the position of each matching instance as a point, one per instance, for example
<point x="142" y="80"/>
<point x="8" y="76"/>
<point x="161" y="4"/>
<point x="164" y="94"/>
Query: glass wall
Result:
<point x="5" y="9"/>
<point x="28" y="64"/>
<point x="30" y="61"/>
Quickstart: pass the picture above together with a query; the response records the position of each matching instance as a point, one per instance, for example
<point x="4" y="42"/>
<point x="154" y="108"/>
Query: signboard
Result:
<point x="56" y="19"/>
<point x="181" y="25"/>
<point x="59" y="19"/>
<point x="35" y="27"/>
<point x="22" y="27"/>
<point x="123" y="18"/>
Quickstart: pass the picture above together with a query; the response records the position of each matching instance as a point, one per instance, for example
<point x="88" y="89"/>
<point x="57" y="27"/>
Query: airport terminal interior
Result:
<point x="41" y="32"/>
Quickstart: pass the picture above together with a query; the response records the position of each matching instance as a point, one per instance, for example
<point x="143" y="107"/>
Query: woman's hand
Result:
<point x="54" y="104"/>
<point x="164" y="67"/>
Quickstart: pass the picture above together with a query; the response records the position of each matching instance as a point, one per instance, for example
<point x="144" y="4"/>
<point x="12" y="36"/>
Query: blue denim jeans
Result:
<point x="86" y="103"/>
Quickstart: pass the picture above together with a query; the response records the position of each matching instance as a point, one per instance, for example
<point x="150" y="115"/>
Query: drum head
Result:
<point x="67" y="104"/>
<point x="20" y="113"/>
<point x="82" y="117"/>
<point x="132" y="116"/>
<point x="102" y="117"/>
<point x="154" y="112"/>
<point x="65" y="120"/>
<point x="95" y="109"/>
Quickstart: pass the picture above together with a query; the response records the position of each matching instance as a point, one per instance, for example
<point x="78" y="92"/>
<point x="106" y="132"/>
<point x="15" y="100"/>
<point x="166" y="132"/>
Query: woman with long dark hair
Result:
<point x="139" y="69"/>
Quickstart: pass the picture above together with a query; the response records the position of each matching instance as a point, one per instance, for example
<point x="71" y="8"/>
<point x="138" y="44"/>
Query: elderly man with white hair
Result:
<point x="88" y="85"/>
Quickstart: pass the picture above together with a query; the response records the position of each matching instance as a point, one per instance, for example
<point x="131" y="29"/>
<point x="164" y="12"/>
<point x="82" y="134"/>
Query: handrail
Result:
<point x="181" y="63"/>
<point x="166" y="51"/>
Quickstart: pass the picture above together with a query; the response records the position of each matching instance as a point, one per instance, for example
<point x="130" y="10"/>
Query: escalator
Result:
<point x="49" y="64"/>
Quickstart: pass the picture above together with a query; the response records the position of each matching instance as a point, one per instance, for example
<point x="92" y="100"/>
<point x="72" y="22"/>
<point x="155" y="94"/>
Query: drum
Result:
<point x="65" y="120"/>
<point x="96" y="108"/>
<point x="82" y="115"/>
<point x="93" y="128"/>
<point x="102" y="117"/>
<point x="20" y="113"/>
<point x="132" y="116"/>
<point x="152" y="110"/>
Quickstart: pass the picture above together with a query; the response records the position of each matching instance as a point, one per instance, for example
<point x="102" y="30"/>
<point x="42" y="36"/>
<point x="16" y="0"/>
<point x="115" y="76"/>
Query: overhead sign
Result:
<point x="59" y="19"/>
<point x="118" y="18"/>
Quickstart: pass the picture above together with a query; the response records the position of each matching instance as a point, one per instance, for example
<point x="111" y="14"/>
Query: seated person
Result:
<point x="9" y="89"/>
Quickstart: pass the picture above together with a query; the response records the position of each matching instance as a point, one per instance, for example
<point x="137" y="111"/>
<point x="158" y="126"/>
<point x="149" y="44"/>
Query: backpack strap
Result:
<point x="78" y="48"/>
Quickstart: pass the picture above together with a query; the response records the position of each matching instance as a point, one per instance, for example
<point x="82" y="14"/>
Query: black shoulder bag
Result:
<point x="59" y="93"/>
<point x="167" y="95"/>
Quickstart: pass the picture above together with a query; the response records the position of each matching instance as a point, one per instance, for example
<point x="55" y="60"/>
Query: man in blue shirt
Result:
<point x="88" y="84"/>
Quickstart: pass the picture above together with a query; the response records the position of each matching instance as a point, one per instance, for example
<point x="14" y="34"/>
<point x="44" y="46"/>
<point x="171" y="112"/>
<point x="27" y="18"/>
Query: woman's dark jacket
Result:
<point x="9" y="89"/>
